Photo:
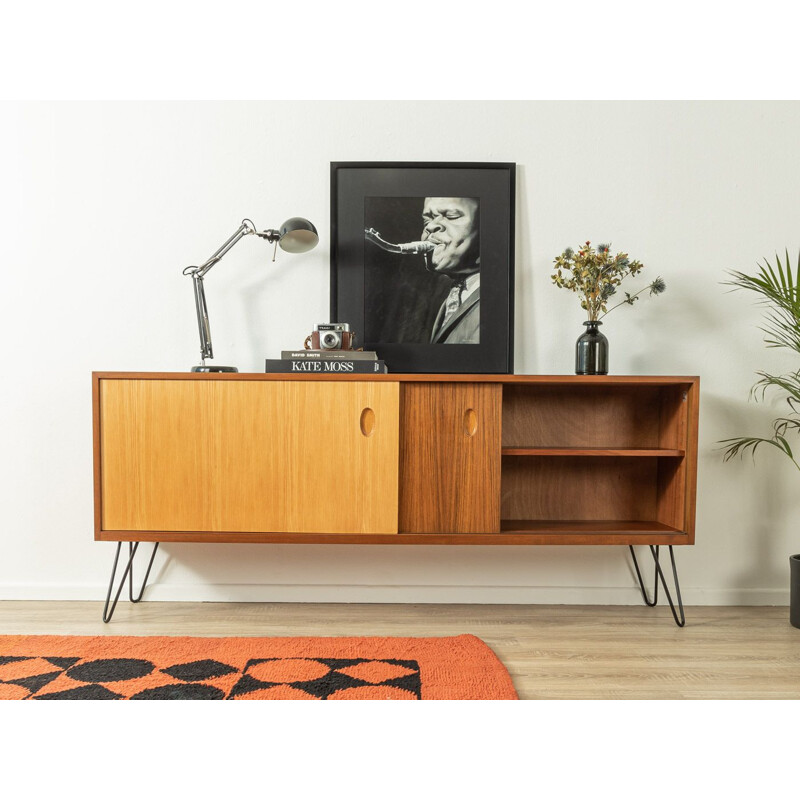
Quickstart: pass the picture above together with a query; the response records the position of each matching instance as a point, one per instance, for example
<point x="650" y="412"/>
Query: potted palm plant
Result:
<point x="778" y="290"/>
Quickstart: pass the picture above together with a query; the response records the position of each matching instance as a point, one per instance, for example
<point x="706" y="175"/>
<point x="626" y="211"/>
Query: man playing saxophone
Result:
<point x="452" y="225"/>
<point x="450" y="246"/>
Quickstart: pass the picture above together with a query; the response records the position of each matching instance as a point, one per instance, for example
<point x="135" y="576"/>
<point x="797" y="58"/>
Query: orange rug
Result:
<point x="244" y="668"/>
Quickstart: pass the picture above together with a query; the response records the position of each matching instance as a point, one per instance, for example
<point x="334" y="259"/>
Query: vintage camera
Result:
<point x="331" y="336"/>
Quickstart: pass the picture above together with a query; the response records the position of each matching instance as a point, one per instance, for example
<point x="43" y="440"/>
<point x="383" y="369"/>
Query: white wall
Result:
<point x="105" y="203"/>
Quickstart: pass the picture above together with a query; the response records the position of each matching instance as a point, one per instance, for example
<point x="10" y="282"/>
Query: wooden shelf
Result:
<point x="584" y="526"/>
<point x="657" y="452"/>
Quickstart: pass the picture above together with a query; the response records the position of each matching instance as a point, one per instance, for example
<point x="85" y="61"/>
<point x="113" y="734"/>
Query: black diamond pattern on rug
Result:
<point x="411" y="683"/>
<point x="93" y="674"/>
<point x="36" y="682"/>
<point x="106" y="670"/>
<point x="61" y="663"/>
<point x="181" y="691"/>
<point x="199" y="670"/>
<point x="247" y="684"/>
<point x="91" y="691"/>
<point x="334" y="680"/>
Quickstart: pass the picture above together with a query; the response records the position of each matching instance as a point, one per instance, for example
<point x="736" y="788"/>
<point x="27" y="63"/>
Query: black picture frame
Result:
<point x="391" y="300"/>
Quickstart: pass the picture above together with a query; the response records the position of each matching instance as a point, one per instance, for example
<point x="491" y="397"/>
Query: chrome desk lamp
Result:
<point x="296" y="235"/>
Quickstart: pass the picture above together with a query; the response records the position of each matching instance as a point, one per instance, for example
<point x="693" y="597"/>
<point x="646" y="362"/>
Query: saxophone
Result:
<point x="409" y="248"/>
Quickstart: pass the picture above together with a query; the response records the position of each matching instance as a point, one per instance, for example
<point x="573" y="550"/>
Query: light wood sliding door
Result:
<point x="249" y="456"/>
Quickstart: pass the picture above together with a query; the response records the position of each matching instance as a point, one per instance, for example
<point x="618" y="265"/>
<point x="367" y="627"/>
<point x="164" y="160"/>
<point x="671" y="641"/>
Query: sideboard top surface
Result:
<point x="574" y="380"/>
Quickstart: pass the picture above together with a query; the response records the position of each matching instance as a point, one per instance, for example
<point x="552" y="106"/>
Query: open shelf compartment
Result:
<point x="598" y="459"/>
<point x="607" y="416"/>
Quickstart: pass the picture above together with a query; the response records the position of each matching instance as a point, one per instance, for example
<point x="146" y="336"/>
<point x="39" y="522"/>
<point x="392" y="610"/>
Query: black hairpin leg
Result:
<point x="128" y="573"/>
<point x="680" y="622"/>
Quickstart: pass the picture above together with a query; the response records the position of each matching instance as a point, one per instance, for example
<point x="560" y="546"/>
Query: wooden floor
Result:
<point x="552" y="652"/>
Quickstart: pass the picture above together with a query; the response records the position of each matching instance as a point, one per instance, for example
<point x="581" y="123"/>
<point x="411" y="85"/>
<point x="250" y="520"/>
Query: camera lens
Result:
<point x="330" y="340"/>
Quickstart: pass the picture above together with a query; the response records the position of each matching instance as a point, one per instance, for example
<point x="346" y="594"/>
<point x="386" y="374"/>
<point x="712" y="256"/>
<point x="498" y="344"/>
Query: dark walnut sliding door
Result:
<point x="450" y="458"/>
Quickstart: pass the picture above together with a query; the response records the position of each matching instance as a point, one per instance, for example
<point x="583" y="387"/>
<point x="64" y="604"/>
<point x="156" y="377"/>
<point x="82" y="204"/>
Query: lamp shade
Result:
<point x="298" y="235"/>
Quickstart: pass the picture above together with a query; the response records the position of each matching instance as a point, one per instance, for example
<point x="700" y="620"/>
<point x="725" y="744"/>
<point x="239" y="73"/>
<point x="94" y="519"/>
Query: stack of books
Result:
<point x="340" y="362"/>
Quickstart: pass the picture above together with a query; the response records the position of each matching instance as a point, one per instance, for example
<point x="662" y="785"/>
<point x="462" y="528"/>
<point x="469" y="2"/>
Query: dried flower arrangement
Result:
<point x="595" y="276"/>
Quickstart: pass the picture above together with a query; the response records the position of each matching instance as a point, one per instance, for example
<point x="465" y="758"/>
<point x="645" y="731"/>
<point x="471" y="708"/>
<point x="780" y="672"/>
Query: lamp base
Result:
<point x="214" y="369"/>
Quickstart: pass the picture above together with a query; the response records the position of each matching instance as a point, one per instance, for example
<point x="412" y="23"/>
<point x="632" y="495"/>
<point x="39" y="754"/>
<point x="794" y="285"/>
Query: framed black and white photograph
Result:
<point x="422" y="263"/>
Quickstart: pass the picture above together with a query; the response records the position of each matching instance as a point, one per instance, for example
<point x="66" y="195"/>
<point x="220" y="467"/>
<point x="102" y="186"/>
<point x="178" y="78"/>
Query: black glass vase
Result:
<point x="591" y="351"/>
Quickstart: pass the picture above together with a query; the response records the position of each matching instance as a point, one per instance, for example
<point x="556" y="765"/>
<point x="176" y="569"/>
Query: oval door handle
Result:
<point x="470" y="422"/>
<point x="367" y="421"/>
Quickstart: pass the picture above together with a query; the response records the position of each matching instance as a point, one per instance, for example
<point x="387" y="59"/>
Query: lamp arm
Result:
<point x="206" y="350"/>
<point x="197" y="273"/>
<point x="245" y="228"/>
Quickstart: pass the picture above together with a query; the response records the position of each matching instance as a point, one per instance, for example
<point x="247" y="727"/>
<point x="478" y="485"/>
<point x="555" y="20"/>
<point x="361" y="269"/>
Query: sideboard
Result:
<point x="395" y="459"/>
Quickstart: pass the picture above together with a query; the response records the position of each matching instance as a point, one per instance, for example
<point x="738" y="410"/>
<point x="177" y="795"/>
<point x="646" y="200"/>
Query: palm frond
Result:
<point x="779" y="289"/>
<point x="738" y="447"/>
<point x="783" y="425"/>
<point x="782" y="329"/>
<point x="784" y="445"/>
<point x="788" y="383"/>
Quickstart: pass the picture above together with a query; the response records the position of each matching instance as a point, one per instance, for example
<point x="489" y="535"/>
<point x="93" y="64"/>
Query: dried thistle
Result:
<point x="595" y="276"/>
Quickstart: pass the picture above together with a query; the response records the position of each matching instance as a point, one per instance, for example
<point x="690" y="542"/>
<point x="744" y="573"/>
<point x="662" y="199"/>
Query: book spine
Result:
<point x="320" y="367"/>
<point x="330" y="355"/>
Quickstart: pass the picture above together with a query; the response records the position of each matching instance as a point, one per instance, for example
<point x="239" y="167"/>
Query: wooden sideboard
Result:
<point x="395" y="459"/>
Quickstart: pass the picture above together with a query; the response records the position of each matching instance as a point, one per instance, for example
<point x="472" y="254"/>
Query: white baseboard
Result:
<point x="332" y="593"/>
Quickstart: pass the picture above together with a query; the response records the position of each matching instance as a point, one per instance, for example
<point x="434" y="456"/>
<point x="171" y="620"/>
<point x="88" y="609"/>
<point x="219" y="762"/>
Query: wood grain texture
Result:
<point x="586" y="526"/>
<point x="450" y="458"/>
<point x="677" y="479"/>
<point x="579" y="488"/>
<point x="553" y="652"/>
<point x="644" y="452"/>
<point x="673" y="422"/>
<point x="581" y="416"/>
<point x="673" y="427"/>
<point x="650" y="419"/>
<point x="690" y="485"/>
<point x="513" y="532"/>
<point x="96" y="460"/>
<point x="596" y="431"/>
<point x="239" y="456"/>
<point x="671" y="492"/>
